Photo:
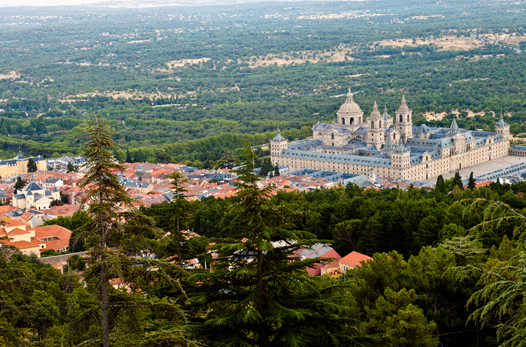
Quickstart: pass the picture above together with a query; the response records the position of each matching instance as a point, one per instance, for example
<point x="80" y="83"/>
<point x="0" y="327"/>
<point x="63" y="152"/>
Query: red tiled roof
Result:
<point x="52" y="231"/>
<point x="17" y="231"/>
<point x="57" y="245"/>
<point x="13" y="223"/>
<point x="19" y="244"/>
<point x="354" y="259"/>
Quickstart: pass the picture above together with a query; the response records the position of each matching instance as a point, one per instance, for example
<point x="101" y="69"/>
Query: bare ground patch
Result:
<point x="445" y="43"/>
<point x="301" y="57"/>
<point x="126" y="94"/>
<point x="180" y="63"/>
<point x="509" y="38"/>
<point x="11" y="75"/>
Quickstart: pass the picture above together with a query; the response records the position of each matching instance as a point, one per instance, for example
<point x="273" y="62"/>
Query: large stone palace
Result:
<point x="387" y="146"/>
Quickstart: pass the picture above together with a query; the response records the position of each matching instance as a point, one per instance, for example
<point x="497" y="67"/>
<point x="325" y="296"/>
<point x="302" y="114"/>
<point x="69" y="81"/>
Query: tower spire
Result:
<point x="454" y="127"/>
<point x="389" y="143"/>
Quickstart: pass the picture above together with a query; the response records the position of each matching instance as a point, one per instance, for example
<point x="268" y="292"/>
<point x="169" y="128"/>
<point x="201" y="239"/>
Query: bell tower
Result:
<point x="404" y="121"/>
<point x="277" y="145"/>
<point x="375" y="128"/>
<point x="501" y="128"/>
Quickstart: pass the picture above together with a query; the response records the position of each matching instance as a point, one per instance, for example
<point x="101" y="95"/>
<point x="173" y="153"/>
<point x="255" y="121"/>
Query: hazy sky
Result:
<point x="5" y="3"/>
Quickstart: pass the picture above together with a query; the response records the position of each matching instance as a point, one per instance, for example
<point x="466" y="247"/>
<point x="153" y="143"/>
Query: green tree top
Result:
<point x="31" y="165"/>
<point x="258" y="292"/>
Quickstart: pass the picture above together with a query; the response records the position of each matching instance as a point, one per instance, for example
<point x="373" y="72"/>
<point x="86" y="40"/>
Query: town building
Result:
<point x="33" y="196"/>
<point x="18" y="165"/>
<point x="385" y="146"/>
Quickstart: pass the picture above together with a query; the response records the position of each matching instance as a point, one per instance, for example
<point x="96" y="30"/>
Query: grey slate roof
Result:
<point x="322" y="126"/>
<point x="20" y="196"/>
<point x="278" y="136"/>
<point x="32" y="186"/>
<point x="338" y="158"/>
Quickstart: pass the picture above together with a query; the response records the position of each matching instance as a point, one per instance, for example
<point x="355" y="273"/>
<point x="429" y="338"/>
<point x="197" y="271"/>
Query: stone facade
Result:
<point x="387" y="147"/>
<point x="18" y="165"/>
<point x="35" y="197"/>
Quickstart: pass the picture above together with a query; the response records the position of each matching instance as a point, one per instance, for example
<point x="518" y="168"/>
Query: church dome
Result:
<point x="349" y="106"/>
<point x="403" y="107"/>
<point x="375" y="113"/>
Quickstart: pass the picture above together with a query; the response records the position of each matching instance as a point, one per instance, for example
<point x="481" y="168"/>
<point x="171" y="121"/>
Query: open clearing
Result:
<point x="11" y="75"/>
<point x="180" y="63"/>
<point x="301" y="57"/>
<point x="445" y="43"/>
<point x="128" y="94"/>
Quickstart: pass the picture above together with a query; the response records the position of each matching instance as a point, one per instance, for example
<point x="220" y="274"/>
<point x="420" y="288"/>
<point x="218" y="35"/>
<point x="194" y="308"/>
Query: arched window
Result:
<point x="380" y="124"/>
<point x="372" y="125"/>
<point x="332" y="136"/>
<point x="343" y="120"/>
<point x="401" y="118"/>
<point x="351" y="121"/>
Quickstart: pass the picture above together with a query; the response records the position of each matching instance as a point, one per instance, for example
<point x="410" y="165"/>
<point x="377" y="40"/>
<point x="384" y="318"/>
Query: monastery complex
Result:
<point x="387" y="146"/>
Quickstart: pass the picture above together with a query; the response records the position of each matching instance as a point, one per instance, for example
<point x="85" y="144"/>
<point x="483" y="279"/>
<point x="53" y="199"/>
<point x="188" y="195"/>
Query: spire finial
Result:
<point x="403" y="98"/>
<point x="389" y="143"/>
<point x="350" y="94"/>
<point x="501" y="114"/>
<point x="385" y="107"/>
<point x="375" y="106"/>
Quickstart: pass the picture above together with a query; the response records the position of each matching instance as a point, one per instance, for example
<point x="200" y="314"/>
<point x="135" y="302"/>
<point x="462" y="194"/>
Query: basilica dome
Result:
<point x="349" y="107"/>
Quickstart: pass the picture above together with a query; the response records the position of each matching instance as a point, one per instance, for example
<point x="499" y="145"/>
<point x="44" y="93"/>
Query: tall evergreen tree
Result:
<point x="71" y="167"/>
<point x="471" y="183"/>
<point x="19" y="184"/>
<point x="117" y="236"/>
<point x="176" y="216"/>
<point x="440" y="185"/>
<point x="457" y="181"/>
<point x="31" y="165"/>
<point x="258" y="292"/>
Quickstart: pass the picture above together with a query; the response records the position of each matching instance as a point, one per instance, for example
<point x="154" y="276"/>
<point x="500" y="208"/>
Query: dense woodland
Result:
<point x="446" y="269"/>
<point x="65" y="64"/>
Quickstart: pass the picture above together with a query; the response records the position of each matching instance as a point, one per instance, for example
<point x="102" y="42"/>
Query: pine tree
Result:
<point x="70" y="168"/>
<point x="176" y="216"/>
<point x="457" y="181"/>
<point x="31" y="165"/>
<point x="113" y="223"/>
<point x="129" y="158"/>
<point x="471" y="183"/>
<point x="440" y="185"/>
<point x="19" y="184"/>
<point x="258" y="293"/>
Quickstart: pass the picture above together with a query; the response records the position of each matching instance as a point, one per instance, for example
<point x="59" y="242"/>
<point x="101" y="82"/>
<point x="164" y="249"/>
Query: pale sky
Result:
<point x="9" y="3"/>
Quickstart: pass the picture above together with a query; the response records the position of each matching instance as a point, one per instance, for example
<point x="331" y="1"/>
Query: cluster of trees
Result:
<point x="444" y="262"/>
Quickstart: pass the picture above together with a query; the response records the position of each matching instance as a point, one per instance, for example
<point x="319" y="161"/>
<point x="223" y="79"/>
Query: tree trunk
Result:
<point x="104" y="292"/>
<point x="263" y="331"/>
